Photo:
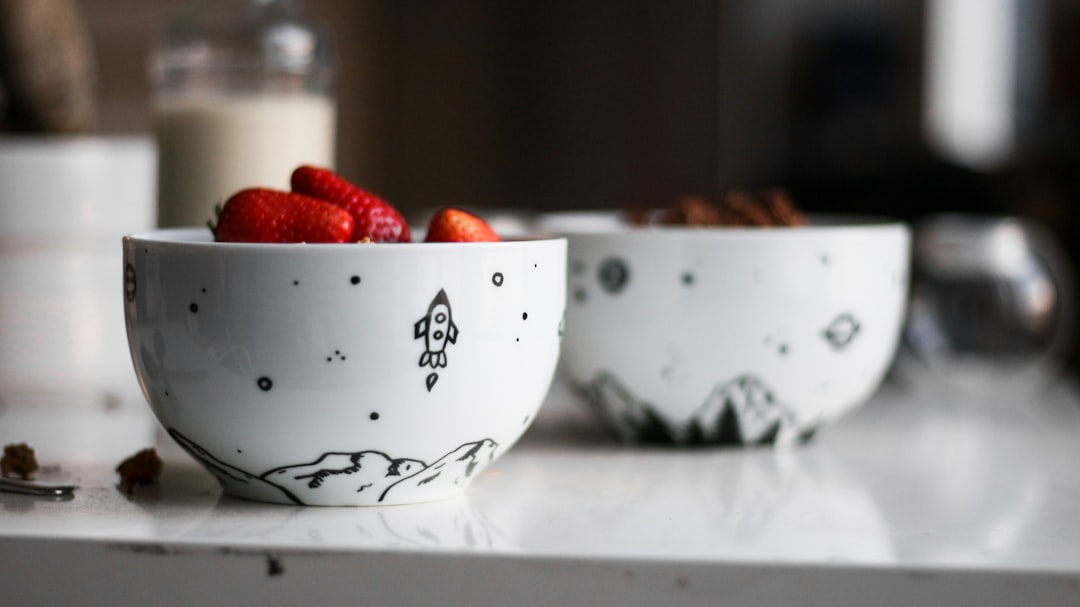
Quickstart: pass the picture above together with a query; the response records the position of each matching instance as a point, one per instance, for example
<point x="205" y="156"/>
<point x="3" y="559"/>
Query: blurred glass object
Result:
<point x="243" y="94"/>
<point x="982" y="73"/>
<point x="991" y="310"/>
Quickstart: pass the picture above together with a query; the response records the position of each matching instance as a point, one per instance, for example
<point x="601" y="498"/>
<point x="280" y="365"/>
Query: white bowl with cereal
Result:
<point x="743" y="335"/>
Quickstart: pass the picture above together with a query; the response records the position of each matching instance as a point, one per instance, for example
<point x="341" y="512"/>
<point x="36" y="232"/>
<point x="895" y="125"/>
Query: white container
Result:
<point x="65" y="204"/>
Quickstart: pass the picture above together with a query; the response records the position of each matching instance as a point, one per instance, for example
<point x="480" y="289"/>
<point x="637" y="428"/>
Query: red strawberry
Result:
<point x="455" y="225"/>
<point x="373" y="217"/>
<point x="262" y="215"/>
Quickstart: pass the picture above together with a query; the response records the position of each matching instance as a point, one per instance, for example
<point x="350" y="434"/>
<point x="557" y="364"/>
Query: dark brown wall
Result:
<point x="604" y="103"/>
<point x="488" y="104"/>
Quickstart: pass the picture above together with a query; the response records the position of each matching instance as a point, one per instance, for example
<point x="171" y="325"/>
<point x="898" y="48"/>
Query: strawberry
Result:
<point x="263" y="215"/>
<point x="373" y="217"/>
<point x="455" y="225"/>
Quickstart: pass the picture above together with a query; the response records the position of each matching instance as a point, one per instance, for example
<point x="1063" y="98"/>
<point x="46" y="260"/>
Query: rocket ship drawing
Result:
<point x="438" y="329"/>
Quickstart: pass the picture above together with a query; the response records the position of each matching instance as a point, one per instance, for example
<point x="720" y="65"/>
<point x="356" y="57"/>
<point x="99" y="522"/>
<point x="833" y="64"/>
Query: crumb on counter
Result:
<point x="139" y="470"/>
<point x="18" y="460"/>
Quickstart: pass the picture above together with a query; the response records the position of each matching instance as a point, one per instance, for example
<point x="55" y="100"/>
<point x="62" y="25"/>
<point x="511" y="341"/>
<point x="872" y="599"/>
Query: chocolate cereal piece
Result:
<point x="139" y="470"/>
<point x="18" y="460"/>
<point x="638" y="217"/>
<point x="692" y="211"/>
<point x="737" y="208"/>
<point x="748" y="210"/>
<point x="780" y="207"/>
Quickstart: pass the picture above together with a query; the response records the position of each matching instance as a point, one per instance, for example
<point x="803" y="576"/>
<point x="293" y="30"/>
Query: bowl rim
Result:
<point x="196" y="238"/>
<point x="610" y="223"/>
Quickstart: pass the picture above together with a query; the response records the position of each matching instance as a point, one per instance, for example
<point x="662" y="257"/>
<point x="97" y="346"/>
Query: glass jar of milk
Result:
<point x="243" y="94"/>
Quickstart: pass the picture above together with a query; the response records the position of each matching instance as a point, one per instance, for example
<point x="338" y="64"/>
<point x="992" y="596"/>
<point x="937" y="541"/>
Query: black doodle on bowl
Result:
<point x="368" y="472"/>
<point x="783" y="348"/>
<point x="741" y="411"/>
<point x="613" y="274"/>
<point x="841" y="331"/>
<point x="439" y="331"/>
<point x="129" y="282"/>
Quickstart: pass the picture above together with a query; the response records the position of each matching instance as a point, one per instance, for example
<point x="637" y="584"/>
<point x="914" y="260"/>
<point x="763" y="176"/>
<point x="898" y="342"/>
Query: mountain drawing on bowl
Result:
<point x="373" y="476"/>
<point x="741" y="411"/>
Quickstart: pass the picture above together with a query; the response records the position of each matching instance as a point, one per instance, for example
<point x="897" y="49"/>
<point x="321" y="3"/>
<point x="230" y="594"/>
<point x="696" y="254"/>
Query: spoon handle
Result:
<point x="14" y="485"/>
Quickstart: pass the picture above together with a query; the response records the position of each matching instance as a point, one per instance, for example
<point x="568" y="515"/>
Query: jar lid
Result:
<point x="257" y="35"/>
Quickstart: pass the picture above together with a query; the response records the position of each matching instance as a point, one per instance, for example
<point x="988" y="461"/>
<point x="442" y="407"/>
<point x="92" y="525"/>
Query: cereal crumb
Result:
<point x="18" y="460"/>
<point x="139" y="470"/>
<point x="768" y="208"/>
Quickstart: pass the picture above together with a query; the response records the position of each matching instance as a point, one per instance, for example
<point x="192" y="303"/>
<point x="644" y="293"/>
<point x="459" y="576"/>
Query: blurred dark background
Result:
<point x="615" y="103"/>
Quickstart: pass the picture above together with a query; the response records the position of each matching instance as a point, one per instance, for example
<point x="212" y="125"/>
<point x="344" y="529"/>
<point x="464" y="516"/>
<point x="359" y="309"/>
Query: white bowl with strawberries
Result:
<point x="308" y="356"/>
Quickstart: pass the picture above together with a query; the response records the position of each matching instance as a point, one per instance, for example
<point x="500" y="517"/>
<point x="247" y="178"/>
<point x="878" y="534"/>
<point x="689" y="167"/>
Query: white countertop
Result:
<point x="910" y="500"/>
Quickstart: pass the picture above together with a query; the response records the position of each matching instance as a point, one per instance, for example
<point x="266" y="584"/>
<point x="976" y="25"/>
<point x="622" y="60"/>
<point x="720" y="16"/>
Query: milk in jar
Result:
<point x="243" y="94"/>
<point x="212" y="147"/>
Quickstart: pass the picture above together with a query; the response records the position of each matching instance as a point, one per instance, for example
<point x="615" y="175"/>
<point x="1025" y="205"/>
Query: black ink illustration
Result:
<point x="841" y="331"/>
<point x="372" y="475"/>
<point x="613" y="274"/>
<point x="740" y="411"/>
<point x="743" y="410"/>
<point x="129" y="282"/>
<point x="497" y="279"/>
<point x="630" y="419"/>
<point x="783" y="348"/>
<point x="370" y="471"/>
<point x="438" y="330"/>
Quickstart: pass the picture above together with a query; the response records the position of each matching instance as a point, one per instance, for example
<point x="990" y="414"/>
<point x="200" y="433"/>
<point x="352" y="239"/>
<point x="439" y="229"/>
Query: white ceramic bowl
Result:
<point x="684" y="335"/>
<point x="343" y="374"/>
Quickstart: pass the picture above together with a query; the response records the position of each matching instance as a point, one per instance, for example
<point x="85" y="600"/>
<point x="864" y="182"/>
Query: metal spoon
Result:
<point x="14" y="485"/>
